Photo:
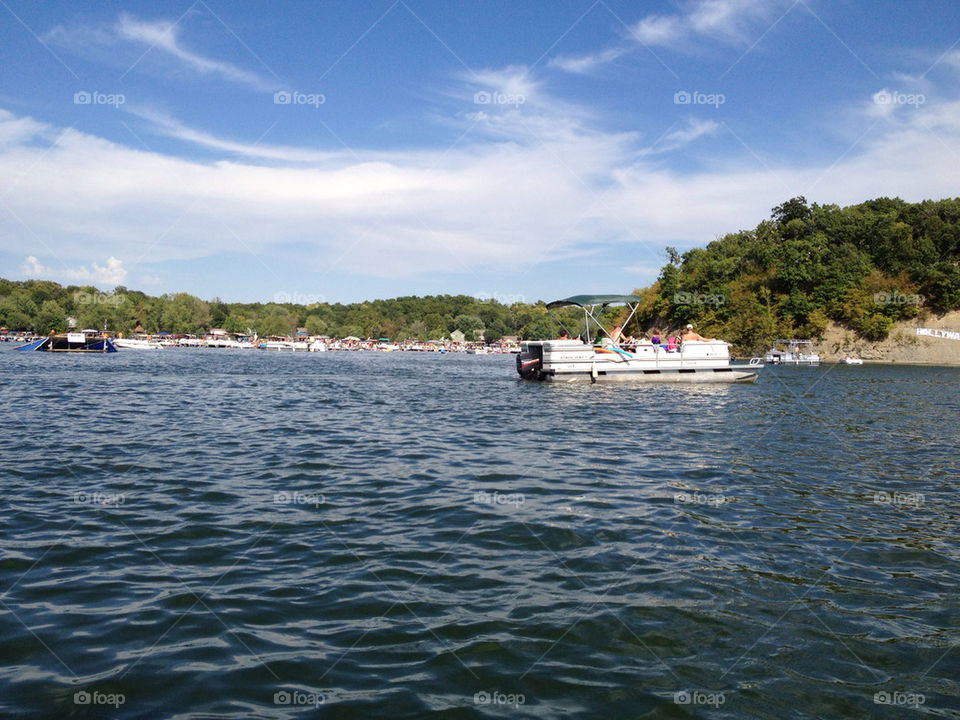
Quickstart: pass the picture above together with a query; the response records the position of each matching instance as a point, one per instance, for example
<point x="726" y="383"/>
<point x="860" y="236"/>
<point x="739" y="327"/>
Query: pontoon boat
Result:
<point x="581" y="360"/>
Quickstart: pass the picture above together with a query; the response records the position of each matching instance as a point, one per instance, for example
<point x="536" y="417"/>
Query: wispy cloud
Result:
<point x="163" y="123"/>
<point x="730" y="22"/>
<point x="952" y="58"/>
<point x="727" y="21"/>
<point x="160" y="37"/>
<point x="584" y="64"/>
<point x="694" y="129"/>
<point x="658" y="30"/>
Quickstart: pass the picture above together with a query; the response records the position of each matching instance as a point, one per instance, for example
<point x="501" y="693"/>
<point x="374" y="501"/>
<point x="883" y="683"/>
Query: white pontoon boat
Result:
<point x="792" y="352"/>
<point x="581" y="360"/>
<point x="142" y="343"/>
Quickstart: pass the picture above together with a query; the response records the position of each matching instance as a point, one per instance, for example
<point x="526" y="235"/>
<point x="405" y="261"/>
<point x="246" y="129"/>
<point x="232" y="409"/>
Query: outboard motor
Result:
<point x="530" y="361"/>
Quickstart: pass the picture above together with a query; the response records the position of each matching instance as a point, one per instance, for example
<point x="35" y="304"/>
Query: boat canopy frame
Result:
<point x="593" y="305"/>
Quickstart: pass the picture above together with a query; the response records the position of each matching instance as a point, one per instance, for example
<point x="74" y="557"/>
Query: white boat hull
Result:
<point x="573" y="361"/>
<point x="134" y="344"/>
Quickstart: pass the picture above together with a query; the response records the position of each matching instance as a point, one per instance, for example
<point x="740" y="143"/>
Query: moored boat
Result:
<point x="580" y="360"/>
<point x="137" y="344"/>
<point x="792" y="352"/>
<point x="80" y="342"/>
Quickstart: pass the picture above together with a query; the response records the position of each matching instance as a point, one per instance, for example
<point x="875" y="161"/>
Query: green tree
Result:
<point x="49" y="317"/>
<point x="315" y="325"/>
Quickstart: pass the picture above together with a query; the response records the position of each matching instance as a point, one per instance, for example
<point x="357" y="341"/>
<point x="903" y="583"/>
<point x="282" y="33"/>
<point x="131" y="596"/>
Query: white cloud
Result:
<point x="112" y="274"/>
<point x="694" y="129"/>
<point x="732" y="22"/>
<point x="583" y="64"/>
<point x="539" y="181"/>
<point x="146" y="37"/>
<point x="31" y="268"/>
<point x="727" y="21"/>
<point x="952" y="58"/>
<point x="163" y="36"/>
<point x="658" y="30"/>
<point x="163" y="124"/>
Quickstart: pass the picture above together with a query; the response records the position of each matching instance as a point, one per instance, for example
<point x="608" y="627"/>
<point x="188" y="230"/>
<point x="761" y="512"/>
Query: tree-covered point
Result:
<point x="864" y="266"/>
<point x="41" y="306"/>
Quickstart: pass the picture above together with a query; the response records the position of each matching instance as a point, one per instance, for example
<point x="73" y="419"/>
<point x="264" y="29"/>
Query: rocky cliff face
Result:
<point x="902" y="345"/>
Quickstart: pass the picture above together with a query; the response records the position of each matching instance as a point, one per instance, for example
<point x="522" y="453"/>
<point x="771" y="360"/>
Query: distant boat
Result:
<point x="88" y="341"/>
<point x="277" y="345"/>
<point x="137" y="344"/>
<point x="792" y="352"/>
<point x="846" y="360"/>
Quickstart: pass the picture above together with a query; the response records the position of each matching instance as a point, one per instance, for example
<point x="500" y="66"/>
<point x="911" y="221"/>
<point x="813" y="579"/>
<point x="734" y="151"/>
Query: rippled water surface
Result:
<point x="194" y="533"/>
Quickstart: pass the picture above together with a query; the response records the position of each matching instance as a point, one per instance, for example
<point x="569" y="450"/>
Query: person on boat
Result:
<point x="564" y="335"/>
<point x="617" y="337"/>
<point x="691" y="335"/>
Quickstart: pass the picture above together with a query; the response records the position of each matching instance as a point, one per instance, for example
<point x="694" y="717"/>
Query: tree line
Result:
<point x="865" y="266"/>
<point x="42" y="305"/>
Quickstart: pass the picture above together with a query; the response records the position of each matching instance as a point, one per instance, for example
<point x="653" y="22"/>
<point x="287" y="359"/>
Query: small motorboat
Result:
<point x="847" y="360"/>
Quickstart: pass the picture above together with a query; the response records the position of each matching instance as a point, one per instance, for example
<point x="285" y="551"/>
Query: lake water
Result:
<point x="204" y="533"/>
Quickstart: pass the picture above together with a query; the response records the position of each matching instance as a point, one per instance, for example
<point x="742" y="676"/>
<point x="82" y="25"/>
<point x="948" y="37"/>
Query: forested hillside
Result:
<point x="865" y="266"/>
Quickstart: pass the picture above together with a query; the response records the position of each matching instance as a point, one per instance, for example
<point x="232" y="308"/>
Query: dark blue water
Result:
<point x="192" y="533"/>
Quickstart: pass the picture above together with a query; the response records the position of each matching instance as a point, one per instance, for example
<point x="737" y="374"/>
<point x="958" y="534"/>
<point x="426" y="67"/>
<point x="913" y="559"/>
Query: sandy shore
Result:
<point x="902" y="345"/>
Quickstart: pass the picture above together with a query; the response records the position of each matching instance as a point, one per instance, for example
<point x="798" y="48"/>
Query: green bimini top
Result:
<point x="582" y="300"/>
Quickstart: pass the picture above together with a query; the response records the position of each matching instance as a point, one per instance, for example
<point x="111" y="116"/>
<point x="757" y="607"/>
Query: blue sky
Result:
<point x="345" y="151"/>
